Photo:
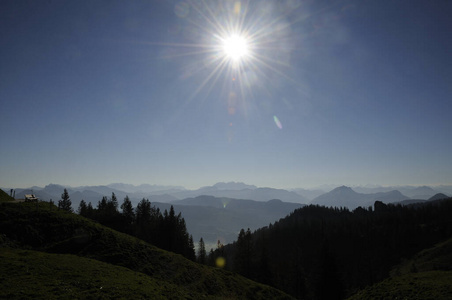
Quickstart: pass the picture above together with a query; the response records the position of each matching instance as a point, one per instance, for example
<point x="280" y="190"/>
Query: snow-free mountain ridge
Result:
<point x="340" y="196"/>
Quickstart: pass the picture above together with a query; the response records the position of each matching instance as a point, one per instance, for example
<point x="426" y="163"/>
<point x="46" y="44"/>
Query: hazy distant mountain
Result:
<point x="55" y="189"/>
<point x="214" y="218"/>
<point x="308" y="194"/>
<point x="422" y="192"/>
<point x="435" y="197"/>
<point x="144" y="188"/>
<point x="225" y="186"/>
<point x="234" y="186"/>
<point x="162" y="198"/>
<point x="438" y="196"/>
<point x="346" y="197"/>
<point x="445" y="189"/>
<point x="374" y="189"/>
<point x="102" y="190"/>
<point x="342" y="196"/>
<point x="364" y="196"/>
<point x="411" y="201"/>
<point x="257" y="194"/>
<point x="388" y="197"/>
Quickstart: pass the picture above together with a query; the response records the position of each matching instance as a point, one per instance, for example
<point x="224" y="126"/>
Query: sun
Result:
<point x="235" y="47"/>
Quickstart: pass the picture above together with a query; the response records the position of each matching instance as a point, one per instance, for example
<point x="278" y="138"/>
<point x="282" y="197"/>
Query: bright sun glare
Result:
<point x="235" y="47"/>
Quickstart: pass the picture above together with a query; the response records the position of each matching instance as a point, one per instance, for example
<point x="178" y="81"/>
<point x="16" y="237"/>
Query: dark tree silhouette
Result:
<point x="146" y="222"/>
<point x="190" y="250"/>
<point x="65" y="203"/>
<point x="127" y="211"/>
<point x="328" y="253"/>
<point x="243" y="255"/>
<point x="82" y="208"/>
<point x="201" y="252"/>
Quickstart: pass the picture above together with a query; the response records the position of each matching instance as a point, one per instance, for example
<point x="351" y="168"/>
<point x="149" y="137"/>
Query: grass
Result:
<point x="427" y="275"/>
<point x="434" y="285"/>
<point x="4" y="197"/>
<point x="49" y="234"/>
<point x="435" y="258"/>
<point x="28" y="274"/>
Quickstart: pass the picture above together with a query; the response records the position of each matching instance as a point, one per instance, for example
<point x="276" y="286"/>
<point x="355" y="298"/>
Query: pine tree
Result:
<point x="65" y="202"/>
<point x="89" y="210"/>
<point x="244" y="253"/>
<point x="127" y="210"/>
<point x="82" y="208"/>
<point x="143" y="212"/>
<point x="113" y="203"/>
<point x="191" y="249"/>
<point x="202" y="252"/>
<point x="102" y="205"/>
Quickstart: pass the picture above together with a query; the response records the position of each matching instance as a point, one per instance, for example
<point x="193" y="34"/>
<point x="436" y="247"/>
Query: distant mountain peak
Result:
<point x="232" y="185"/>
<point x="438" y="196"/>
<point x="52" y="185"/>
<point x="343" y="189"/>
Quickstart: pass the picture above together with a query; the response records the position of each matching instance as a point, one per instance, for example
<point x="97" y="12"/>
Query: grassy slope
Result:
<point x="4" y="197"/>
<point x="44" y="228"/>
<point x="428" y="275"/>
<point x="438" y="257"/>
<point x="433" y="285"/>
<point x="30" y="274"/>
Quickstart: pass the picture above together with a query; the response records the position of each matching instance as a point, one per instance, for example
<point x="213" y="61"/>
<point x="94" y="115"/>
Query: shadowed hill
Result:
<point x="427" y="275"/>
<point x="42" y="227"/>
<point x="31" y="274"/>
<point x="330" y="253"/>
<point x="436" y="258"/>
<point x="4" y="197"/>
<point x="438" y="196"/>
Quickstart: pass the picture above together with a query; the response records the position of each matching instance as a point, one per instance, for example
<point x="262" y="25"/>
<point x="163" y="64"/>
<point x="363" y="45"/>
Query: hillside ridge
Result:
<point x="42" y="227"/>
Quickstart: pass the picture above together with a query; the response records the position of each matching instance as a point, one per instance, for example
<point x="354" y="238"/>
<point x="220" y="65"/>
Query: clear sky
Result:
<point x="346" y="92"/>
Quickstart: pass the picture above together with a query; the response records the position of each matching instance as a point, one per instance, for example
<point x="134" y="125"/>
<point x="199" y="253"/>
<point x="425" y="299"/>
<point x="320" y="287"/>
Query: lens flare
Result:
<point x="277" y="122"/>
<point x="241" y="46"/>
<point x="220" y="262"/>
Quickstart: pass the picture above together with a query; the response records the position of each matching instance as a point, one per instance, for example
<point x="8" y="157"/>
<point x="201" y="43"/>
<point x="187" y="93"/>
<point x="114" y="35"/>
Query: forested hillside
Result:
<point x="427" y="275"/>
<point x="165" y="230"/>
<point x="44" y="254"/>
<point x="326" y="253"/>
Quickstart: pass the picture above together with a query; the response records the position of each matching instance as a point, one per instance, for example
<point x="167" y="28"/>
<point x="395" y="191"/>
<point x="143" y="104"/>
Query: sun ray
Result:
<point x="237" y="44"/>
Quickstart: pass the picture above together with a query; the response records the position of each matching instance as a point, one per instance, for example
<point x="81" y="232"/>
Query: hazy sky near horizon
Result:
<point x="343" y="92"/>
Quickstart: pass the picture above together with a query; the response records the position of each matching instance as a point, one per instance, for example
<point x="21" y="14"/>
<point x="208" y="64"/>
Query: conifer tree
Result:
<point x="202" y="252"/>
<point x="191" y="249"/>
<point x="82" y="208"/>
<point x="65" y="202"/>
<point x="244" y="253"/>
<point x="143" y="212"/>
<point x="89" y="210"/>
<point x="113" y="202"/>
<point x="127" y="210"/>
<point x="102" y="205"/>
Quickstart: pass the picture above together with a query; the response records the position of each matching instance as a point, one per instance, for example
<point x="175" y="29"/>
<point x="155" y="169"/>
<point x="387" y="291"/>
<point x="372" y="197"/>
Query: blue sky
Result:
<point x="95" y="92"/>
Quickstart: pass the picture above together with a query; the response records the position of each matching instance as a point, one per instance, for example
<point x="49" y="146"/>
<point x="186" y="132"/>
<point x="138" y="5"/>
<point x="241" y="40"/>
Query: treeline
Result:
<point x="167" y="231"/>
<point x="330" y="253"/>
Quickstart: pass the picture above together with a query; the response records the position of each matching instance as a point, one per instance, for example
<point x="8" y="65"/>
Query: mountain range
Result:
<point x="347" y="197"/>
<point x="339" y="196"/>
<point x="157" y="193"/>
